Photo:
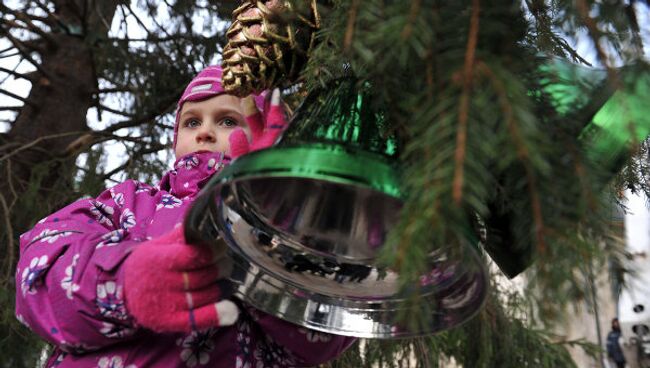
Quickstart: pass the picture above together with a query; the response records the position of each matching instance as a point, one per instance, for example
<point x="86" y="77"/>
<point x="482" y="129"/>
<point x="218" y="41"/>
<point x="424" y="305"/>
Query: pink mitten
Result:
<point x="171" y="286"/>
<point x="264" y="129"/>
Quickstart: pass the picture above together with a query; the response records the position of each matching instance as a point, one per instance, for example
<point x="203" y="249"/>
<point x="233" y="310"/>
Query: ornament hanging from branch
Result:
<point x="268" y="42"/>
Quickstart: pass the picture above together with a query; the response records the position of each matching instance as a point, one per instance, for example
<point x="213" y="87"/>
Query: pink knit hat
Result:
<point x="207" y="84"/>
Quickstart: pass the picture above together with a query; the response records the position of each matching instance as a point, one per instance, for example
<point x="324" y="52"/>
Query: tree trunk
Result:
<point x="54" y="114"/>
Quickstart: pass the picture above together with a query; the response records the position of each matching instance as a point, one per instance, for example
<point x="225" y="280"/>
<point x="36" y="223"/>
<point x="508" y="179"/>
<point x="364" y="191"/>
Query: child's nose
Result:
<point x="206" y="135"/>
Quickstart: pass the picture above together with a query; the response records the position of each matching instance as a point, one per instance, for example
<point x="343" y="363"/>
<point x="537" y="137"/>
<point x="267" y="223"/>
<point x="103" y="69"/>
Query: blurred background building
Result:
<point x="630" y="302"/>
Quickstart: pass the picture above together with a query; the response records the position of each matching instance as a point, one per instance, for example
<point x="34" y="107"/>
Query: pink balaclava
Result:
<point x="207" y="84"/>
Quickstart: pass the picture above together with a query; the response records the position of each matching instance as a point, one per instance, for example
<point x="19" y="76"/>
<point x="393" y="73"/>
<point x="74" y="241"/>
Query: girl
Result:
<point x="110" y="281"/>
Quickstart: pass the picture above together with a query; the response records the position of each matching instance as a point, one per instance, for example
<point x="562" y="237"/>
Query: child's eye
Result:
<point x="192" y="123"/>
<point x="228" y="122"/>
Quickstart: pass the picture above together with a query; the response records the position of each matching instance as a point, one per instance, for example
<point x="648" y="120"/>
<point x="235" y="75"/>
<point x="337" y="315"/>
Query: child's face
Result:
<point x="206" y="125"/>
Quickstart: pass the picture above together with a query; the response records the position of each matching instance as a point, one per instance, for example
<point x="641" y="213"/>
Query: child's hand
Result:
<point x="264" y="132"/>
<point x="171" y="286"/>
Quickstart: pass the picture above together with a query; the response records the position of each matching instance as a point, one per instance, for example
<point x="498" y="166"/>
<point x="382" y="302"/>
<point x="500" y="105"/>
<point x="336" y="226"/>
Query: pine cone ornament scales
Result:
<point x="268" y="42"/>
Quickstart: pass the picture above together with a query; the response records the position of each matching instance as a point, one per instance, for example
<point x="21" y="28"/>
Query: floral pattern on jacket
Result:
<point x="71" y="286"/>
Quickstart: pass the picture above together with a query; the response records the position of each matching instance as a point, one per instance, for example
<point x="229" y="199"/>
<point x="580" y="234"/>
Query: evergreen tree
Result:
<point x="490" y="156"/>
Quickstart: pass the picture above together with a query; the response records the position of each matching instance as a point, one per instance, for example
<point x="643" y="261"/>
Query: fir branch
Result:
<point x="12" y="189"/>
<point x="461" y="137"/>
<point x="10" y="108"/>
<point x="349" y="30"/>
<point x="413" y="14"/>
<point x="13" y="24"/>
<point x="45" y="9"/>
<point x="10" y="55"/>
<point x="405" y="242"/>
<point x="113" y="111"/>
<point x="28" y="24"/>
<point x="166" y="33"/>
<point x="15" y="74"/>
<point x="88" y="140"/>
<point x="2" y="51"/>
<point x="132" y="123"/>
<point x="429" y="71"/>
<point x="48" y="20"/>
<point x="133" y="158"/>
<point x="594" y="33"/>
<point x="581" y="173"/>
<point x="36" y="142"/>
<point x="422" y="351"/>
<point x="16" y="97"/>
<point x="11" y="249"/>
<point x="8" y="145"/>
<point x="540" y="11"/>
<point x="105" y="22"/>
<point x="137" y="18"/>
<point x="23" y="49"/>
<point x="115" y="90"/>
<point x="522" y="154"/>
<point x="149" y="39"/>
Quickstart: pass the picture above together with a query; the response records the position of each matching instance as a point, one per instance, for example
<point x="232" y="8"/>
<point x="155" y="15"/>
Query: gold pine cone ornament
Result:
<point x="268" y="43"/>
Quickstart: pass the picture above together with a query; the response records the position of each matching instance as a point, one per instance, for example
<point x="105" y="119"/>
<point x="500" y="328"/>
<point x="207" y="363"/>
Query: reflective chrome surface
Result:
<point x="305" y="251"/>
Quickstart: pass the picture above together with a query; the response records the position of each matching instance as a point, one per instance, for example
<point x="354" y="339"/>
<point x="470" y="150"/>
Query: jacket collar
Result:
<point x="191" y="172"/>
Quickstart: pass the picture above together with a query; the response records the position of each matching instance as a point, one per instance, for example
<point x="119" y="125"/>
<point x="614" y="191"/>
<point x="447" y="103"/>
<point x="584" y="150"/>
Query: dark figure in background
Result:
<point x="614" y="351"/>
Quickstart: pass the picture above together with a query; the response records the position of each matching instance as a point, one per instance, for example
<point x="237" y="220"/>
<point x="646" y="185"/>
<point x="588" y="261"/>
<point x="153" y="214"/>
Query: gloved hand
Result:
<point x="264" y="129"/>
<point x="171" y="286"/>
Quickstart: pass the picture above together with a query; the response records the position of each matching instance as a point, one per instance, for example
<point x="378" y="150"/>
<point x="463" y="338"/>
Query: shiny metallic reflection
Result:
<point x="305" y="252"/>
<point x="348" y="221"/>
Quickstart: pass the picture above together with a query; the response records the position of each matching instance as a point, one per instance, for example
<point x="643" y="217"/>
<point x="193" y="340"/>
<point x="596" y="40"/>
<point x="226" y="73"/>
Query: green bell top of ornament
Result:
<point x="574" y="88"/>
<point x="346" y="113"/>
<point x="624" y="120"/>
<point x="616" y="112"/>
<point x="338" y="134"/>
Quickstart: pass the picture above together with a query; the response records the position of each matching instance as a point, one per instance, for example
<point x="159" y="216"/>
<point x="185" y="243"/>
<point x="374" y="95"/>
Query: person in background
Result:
<point x="614" y="351"/>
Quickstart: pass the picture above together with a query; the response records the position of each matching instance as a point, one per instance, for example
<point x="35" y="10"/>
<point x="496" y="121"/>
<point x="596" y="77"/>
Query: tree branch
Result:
<point x="9" y="55"/>
<point x="102" y="18"/>
<point x="29" y="25"/>
<point x="49" y="20"/>
<point x="461" y="137"/>
<point x="15" y="73"/>
<point x="163" y="106"/>
<point x="10" y="108"/>
<point x="12" y="189"/>
<point x="595" y="33"/>
<point x="413" y="14"/>
<point x="116" y="112"/>
<point x="37" y="141"/>
<point x="90" y="139"/>
<point x="88" y="171"/>
<point x="11" y="252"/>
<point x="21" y="49"/>
<point x="149" y="34"/>
<point x="349" y="29"/>
<point x="114" y="90"/>
<point x="523" y="155"/>
<point x="15" y="96"/>
<point x="137" y="19"/>
<point x="156" y="39"/>
<point x="130" y="161"/>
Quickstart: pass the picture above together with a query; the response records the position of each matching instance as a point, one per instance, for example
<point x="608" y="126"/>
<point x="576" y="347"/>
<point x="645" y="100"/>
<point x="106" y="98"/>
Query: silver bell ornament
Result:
<point x="306" y="219"/>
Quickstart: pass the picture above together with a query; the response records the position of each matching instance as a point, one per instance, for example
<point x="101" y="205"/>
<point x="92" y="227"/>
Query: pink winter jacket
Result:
<point x="70" y="286"/>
